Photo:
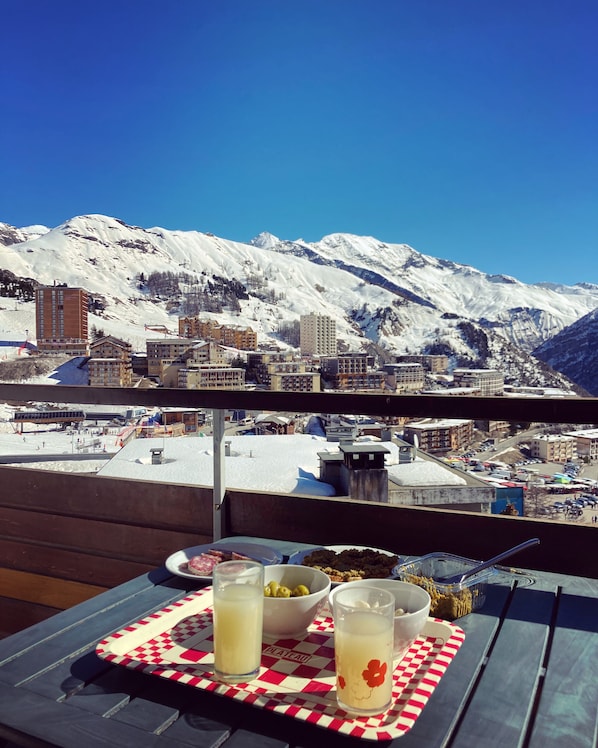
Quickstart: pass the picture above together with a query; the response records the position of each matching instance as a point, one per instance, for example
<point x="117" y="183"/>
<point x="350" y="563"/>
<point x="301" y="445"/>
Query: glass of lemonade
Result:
<point x="363" y="642"/>
<point x="238" y="614"/>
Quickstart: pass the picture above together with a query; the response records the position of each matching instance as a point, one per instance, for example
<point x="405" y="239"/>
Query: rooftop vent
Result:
<point x="157" y="455"/>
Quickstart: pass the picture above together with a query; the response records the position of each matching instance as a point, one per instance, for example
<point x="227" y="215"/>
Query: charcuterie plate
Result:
<point x="177" y="562"/>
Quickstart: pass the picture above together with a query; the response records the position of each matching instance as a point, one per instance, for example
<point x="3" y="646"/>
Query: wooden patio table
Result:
<point x="526" y="675"/>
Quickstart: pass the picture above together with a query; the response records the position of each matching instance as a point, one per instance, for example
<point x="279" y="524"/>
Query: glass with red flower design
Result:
<point x="363" y="641"/>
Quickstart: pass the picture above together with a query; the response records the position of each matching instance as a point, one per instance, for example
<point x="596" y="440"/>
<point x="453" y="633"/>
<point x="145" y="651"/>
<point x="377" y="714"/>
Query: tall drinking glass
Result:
<point x="363" y="642"/>
<point x="238" y="615"/>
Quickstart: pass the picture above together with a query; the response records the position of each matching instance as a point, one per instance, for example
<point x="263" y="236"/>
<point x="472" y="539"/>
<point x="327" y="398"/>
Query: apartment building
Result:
<point x="493" y="428"/>
<point x="234" y="336"/>
<point x="165" y="351"/>
<point x="237" y="336"/>
<point x="554" y="447"/>
<point x="488" y="381"/>
<point x="263" y="364"/>
<point x="109" y="372"/>
<point x="404" y="377"/>
<point x="587" y="443"/>
<point x="282" y="372"/>
<point x="352" y="371"/>
<point x="110" y="364"/>
<point x="199" y="354"/>
<point x="211" y="376"/>
<point x="317" y="335"/>
<point x="436" y="364"/>
<point x="188" y="417"/>
<point x="346" y="364"/>
<point x="439" y="435"/>
<point x="295" y="381"/>
<point x="61" y="320"/>
<point x="196" y="327"/>
<point x="209" y="352"/>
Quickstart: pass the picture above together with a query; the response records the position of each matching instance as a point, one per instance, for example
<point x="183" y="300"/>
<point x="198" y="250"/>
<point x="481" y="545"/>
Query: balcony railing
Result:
<point x="536" y="410"/>
<point x="64" y="537"/>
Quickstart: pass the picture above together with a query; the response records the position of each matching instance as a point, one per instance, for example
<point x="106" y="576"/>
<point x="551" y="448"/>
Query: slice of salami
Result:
<point x="203" y="564"/>
<point x="219" y="553"/>
<point x="226" y="555"/>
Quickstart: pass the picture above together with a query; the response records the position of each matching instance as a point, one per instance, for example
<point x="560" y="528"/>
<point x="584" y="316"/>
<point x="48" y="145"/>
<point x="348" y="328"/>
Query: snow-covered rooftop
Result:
<point x="424" y="473"/>
<point x="285" y="464"/>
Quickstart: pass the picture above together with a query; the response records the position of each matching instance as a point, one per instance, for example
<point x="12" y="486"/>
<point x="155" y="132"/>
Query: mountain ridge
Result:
<point x="385" y="294"/>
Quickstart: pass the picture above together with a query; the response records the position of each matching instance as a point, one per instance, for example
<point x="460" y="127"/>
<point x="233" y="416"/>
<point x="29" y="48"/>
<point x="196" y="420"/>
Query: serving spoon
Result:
<point x="458" y="578"/>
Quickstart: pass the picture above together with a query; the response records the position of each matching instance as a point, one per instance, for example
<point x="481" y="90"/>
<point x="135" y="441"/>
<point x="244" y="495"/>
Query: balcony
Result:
<point x="66" y="537"/>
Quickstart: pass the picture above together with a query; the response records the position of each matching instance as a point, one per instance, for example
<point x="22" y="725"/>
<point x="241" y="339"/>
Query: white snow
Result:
<point x="249" y="465"/>
<point x="106" y="257"/>
<point x="424" y="473"/>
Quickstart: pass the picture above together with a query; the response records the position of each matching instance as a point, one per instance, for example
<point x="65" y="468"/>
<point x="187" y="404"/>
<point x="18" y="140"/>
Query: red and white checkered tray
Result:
<point x="297" y="675"/>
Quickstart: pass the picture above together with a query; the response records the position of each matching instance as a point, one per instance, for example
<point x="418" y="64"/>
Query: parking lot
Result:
<point x="541" y="501"/>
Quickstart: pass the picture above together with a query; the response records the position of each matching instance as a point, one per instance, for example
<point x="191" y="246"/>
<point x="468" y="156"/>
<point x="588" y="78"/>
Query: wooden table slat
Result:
<point x="158" y="705"/>
<point x="45" y="720"/>
<point x="245" y="739"/>
<point x="42" y="655"/>
<point x="109" y="692"/>
<point x="74" y="616"/>
<point x="449" y="697"/>
<point x="567" y="713"/>
<point x="200" y="732"/>
<point x="500" y="705"/>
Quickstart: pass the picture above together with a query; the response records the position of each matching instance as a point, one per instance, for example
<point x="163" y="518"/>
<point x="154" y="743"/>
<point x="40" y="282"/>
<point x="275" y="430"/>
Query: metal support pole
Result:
<point x="219" y="478"/>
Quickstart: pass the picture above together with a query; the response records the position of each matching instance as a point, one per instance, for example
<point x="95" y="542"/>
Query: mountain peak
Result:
<point x="265" y="240"/>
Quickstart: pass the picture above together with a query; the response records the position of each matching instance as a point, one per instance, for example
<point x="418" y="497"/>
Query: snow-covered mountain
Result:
<point x="574" y="352"/>
<point x="12" y="235"/>
<point x="384" y="297"/>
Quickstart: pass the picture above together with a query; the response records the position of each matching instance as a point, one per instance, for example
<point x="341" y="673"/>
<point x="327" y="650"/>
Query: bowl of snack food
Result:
<point x="449" y="601"/>
<point x="346" y="563"/>
<point x="293" y="597"/>
<point x="412" y="607"/>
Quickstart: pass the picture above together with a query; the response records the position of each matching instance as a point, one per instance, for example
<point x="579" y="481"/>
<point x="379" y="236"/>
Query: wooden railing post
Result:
<point x="219" y="476"/>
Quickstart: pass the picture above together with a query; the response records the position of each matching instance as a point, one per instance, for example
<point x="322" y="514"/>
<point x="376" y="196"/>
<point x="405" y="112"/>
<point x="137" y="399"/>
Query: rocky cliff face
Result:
<point x="574" y="352"/>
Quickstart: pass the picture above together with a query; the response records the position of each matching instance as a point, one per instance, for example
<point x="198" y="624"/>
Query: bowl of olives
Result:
<point x="293" y="597"/>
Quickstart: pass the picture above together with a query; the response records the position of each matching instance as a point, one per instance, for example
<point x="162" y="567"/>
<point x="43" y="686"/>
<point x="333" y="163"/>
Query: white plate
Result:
<point x="262" y="553"/>
<point x="297" y="558"/>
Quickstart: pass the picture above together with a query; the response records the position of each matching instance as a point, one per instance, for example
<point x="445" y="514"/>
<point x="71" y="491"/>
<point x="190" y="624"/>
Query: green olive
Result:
<point x="283" y="591"/>
<point x="273" y="587"/>
<point x="300" y="590"/>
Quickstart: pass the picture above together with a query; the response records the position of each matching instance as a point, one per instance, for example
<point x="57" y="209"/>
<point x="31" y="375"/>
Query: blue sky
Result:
<point x="467" y="129"/>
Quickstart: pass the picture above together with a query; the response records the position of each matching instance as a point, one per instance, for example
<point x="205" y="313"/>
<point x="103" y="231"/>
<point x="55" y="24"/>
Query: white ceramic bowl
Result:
<point x="291" y="616"/>
<point x="411" y="598"/>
